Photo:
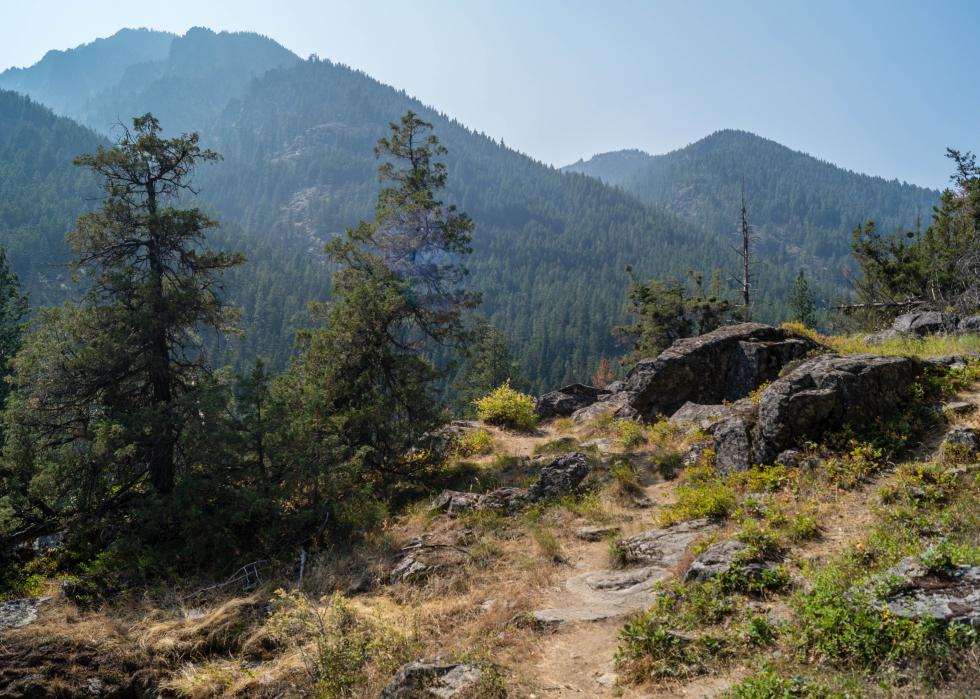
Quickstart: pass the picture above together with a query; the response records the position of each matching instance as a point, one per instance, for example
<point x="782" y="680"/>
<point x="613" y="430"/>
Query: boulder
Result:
<point x="567" y="400"/>
<point x="606" y="405"/>
<point x="922" y="323"/>
<point x="702" y="416"/>
<point x="732" y="444"/>
<point x="658" y="546"/>
<point x="16" y="613"/>
<point x="454" y="501"/>
<point x="959" y="407"/>
<point x="961" y="442"/>
<point x="825" y="392"/>
<point x="725" y="364"/>
<point x="427" y="680"/>
<point x="506" y="501"/>
<point x="949" y="594"/>
<point x="953" y="361"/>
<point x="969" y="325"/>
<point x="559" y="477"/>
<point x="722" y="557"/>
<point x="411" y="569"/>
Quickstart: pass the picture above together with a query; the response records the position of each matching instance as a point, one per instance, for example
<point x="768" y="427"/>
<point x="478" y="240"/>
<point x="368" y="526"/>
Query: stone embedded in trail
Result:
<point x="595" y="533"/>
<point x="16" y="613"/>
<point x="824" y="392"/>
<point x="662" y="546"/>
<point x="718" y="559"/>
<point x="559" y="477"/>
<point x="567" y="400"/>
<point x="726" y="364"/>
<point x="426" y="680"/>
<point x="951" y="594"/>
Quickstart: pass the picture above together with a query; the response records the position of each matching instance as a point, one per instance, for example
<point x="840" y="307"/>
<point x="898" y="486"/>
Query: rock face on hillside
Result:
<point x="825" y="392"/>
<point x="922" y="323"/>
<point x="723" y="365"/>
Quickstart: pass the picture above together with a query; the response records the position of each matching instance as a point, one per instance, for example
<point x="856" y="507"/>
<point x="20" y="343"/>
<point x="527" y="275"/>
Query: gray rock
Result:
<point x="825" y="392"/>
<point x="16" y="613"/>
<point x="660" y="546"/>
<point x="732" y="445"/>
<point x="720" y="558"/>
<point x="505" y="500"/>
<point x="411" y="569"/>
<point x="959" y="407"/>
<point x="951" y="594"/>
<point x="702" y="416"/>
<point x="596" y="533"/>
<point x="969" y="325"/>
<point x="454" y="501"/>
<point x="567" y="400"/>
<point x="616" y="386"/>
<point x="796" y="459"/>
<point x="921" y="323"/>
<point x="559" y="477"/>
<point x="425" y="680"/>
<point x="599" y="409"/>
<point x="695" y="453"/>
<point x="606" y="594"/>
<point x="953" y="361"/>
<point x="961" y="441"/>
<point x="726" y="364"/>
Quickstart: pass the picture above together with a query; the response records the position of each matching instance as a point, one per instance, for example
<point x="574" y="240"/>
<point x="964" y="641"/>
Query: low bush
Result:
<point x="475" y="443"/>
<point x="507" y="407"/>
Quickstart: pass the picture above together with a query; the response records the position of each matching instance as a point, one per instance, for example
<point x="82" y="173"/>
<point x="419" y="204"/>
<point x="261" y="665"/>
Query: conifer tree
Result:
<point x="801" y="303"/>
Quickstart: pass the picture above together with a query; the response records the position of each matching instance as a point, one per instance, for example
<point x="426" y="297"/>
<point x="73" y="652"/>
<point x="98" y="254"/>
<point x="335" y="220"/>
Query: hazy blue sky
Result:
<point x="877" y="86"/>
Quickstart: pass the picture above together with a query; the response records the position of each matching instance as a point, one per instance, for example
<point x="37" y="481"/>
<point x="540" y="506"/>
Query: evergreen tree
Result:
<point x="362" y="392"/>
<point x="488" y="363"/>
<point x="603" y="375"/>
<point x="13" y="312"/>
<point x="801" y="303"/>
<point x="666" y="310"/>
<point x="106" y="390"/>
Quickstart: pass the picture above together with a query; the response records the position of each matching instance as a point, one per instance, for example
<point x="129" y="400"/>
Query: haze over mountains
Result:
<point x="297" y="138"/>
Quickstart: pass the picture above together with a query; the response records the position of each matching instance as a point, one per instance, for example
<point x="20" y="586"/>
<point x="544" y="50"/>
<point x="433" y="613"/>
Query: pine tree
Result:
<point x="801" y="303"/>
<point x="488" y="363"/>
<point x="13" y="312"/>
<point x="106" y="388"/>
<point x="362" y="392"/>
<point x="603" y="375"/>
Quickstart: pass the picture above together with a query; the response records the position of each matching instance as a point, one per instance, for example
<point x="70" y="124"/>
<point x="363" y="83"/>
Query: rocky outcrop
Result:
<point x="560" y="477"/>
<point x="922" y="323"/>
<point x="718" y="559"/>
<point x="702" y="416"/>
<point x="825" y="392"/>
<point x="428" y="680"/>
<point x="969" y="325"/>
<point x="723" y="365"/>
<point x="947" y="594"/>
<point x="659" y="546"/>
<point x="592" y="533"/>
<point x="557" y="477"/>
<point x="567" y="400"/>
<point x="16" y="613"/>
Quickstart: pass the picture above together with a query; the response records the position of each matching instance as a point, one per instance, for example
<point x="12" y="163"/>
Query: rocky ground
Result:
<point x="531" y="574"/>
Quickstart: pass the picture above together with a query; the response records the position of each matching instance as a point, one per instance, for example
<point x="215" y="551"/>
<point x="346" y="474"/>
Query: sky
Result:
<point x="881" y="87"/>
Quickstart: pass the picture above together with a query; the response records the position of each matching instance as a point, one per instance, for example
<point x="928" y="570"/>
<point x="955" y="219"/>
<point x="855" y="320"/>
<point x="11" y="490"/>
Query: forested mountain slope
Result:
<point x="41" y="194"/>
<point x="67" y="80"/>
<point x="802" y="208"/>
<point x="550" y="246"/>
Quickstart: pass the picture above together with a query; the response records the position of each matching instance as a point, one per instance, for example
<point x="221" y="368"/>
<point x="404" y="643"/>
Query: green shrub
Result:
<point x="507" y="407"/>
<point x="562" y="445"/>
<point x="650" y="651"/>
<point x="474" y="443"/>
<point x="766" y="684"/>
<point x="626" y="479"/>
<point x="631" y="434"/>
